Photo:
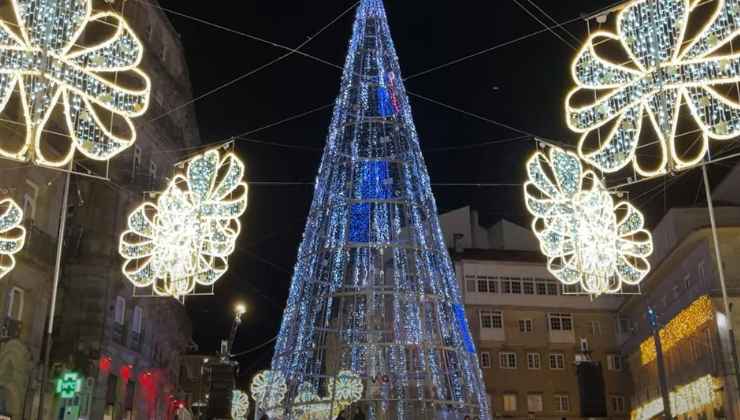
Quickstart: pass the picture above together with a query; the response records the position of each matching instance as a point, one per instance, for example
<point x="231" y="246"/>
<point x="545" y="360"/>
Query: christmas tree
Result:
<point x="374" y="292"/>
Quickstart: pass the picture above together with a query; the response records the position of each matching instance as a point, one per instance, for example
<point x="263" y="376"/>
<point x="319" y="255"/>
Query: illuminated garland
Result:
<point x="681" y="326"/>
<point x="660" y="77"/>
<point x="12" y="234"/>
<point x="185" y="239"/>
<point x="576" y="223"/>
<point x="46" y="65"/>
<point x="684" y="399"/>
<point x="239" y="405"/>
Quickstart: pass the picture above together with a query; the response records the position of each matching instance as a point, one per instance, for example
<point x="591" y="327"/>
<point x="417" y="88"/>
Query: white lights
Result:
<point x="665" y="70"/>
<point x="684" y="399"/>
<point x="587" y="238"/>
<point x="12" y="234"/>
<point x="239" y="405"/>
<point x="46" y="65"/>
<point x="268" y="389"/>
<point x="342" y="391"/>
<point x="185" y="239"/>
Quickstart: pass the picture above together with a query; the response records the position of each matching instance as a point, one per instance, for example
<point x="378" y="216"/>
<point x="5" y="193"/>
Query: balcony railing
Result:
<point x="10" y="329"/>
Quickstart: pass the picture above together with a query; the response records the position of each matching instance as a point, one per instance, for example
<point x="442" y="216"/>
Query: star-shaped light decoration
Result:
<point x="664" y="71"/>
<point x="43" y="61"/>
<point x="343" y="390"/>
<point x="239" y="405"/>
<point x="69" y="385"/>
<point x="184" y="240"/>
<point x="588" y="239"/>
<point x="12" y="234"/>
<point x="268" y="390"/>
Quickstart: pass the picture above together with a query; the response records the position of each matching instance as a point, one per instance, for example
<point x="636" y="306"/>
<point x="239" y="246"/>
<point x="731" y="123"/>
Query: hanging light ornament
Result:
<point x="184" y="239"/>
<point x="12" y="234"/>
<point x="661" y="74"/>
<point x="45" y="64"/>
<point x="588" y="239"/>
<point x="239" y="405"/>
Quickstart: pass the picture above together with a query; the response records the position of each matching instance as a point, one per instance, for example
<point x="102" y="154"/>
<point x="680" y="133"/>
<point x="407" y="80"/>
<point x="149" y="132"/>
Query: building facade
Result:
<point x="126" y="346"/>
<point x="683" y="289"/>
<point x="544" y="354"/>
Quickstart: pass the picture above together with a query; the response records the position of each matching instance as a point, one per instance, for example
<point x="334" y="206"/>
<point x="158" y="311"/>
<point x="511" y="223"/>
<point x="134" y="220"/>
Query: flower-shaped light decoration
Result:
<point x="12" y="234"/>
<point x="343" y="390"/>
<point x="664" y="70"/>
<point x="185" y="239"/>
<point x="268" y="389"/>
<point x="588" y="239"/>
<point x="239" y="405"/>
<point x="46" y="64"/>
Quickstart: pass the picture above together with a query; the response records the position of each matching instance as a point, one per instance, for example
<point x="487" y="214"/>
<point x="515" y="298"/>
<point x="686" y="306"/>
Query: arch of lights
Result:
<point x="185" y="239"/>
<point x="664" y="71"/>
<point x="269" y="389"/>
<point x="588" y="239"/>
<point x="239" y="405"/>
<point x="12" y="234"/>
<point x="44" y="63"/>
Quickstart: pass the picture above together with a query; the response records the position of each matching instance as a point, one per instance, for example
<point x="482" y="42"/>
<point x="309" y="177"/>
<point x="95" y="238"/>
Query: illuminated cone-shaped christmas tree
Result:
<point x="374" y="291"/>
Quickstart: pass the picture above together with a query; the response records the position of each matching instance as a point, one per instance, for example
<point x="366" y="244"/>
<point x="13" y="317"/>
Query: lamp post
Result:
<point x="662" y="380"/>
<point x="239" y="310"/>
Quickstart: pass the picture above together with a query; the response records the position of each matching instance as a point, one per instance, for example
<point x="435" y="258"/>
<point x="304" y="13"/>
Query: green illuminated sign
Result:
<point x="69" y="385"/>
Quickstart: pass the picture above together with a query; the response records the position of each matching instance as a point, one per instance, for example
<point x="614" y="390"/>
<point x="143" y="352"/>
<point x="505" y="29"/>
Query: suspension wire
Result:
<point x="564" y="29"/>
<point x="551" y="30"/>
<point x="255" y="348"/>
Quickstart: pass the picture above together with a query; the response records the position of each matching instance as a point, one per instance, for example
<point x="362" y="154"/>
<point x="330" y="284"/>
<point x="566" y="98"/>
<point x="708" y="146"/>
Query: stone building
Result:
<point x="543" y="354"/>
<point x="126" y="346"/>
<point x="684" y="291"/>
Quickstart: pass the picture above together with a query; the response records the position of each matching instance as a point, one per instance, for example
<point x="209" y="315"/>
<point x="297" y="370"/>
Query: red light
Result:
<point x="126" y="372"/>
<point x="105" y="363"/>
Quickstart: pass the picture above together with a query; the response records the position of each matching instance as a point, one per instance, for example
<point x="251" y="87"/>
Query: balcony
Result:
<point x="10" y="329"/>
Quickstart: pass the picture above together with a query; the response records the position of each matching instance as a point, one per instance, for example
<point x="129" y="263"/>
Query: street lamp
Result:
<point x="240" y="309"/>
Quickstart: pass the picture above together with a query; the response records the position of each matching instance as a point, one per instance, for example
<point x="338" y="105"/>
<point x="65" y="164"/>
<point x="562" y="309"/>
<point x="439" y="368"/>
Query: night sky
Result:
<point x="522" y="84"/>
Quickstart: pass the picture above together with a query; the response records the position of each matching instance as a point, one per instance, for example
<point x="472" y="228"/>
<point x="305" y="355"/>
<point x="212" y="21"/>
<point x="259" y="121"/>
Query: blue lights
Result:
<point x="462" y="324"/>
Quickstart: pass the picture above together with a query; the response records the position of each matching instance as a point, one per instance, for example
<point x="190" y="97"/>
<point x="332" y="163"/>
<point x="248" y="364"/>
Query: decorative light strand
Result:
<point x="185" y="239"/>
<point x="45" y="66"/>
<point x="683" y="325"/>
<point x="664" y="75"/>
<point x="684" y="399"/>
<point x="578" y="225"/>
<point x="12" y="234"/>
<point x="239" y="405"/>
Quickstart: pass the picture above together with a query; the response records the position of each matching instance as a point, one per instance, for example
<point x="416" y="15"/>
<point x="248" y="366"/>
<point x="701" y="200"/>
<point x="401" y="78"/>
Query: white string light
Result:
<point x="663" y="76"/>
<point x="239" y="405"/>
<point x="342" y="391"/>
<point x="268" y="389"/>
<point x="588" y="239"/>
<point x="12" y="234"/>
<point x="45" y="66"/>
<point x="184" y="240"/>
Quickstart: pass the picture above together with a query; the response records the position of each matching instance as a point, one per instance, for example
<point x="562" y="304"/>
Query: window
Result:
<point x="29" y="201"/>
<point x="534" y="403"/>
<point x="557" y="361"/>
<point x="700" y="268"/>
<point x="516" y="287"/>
<point x="533" y="361"/>
<point x="470" y="284"/>
<point x="120" y="314"/>
<point x="584" y="345"/>
<point x="485" y="359"/>
<point x="135" y="161"/>
<point x="541" y="288"/>
<point x="614" y="362"/>
<point x="624" y="325"/>
<point x="676" y="291"/>
<point x="507" y="360"/>
<point x="561" y="402"/>
<point x="482" y="286"/>
<point x="509" y="402"/>
<point x="595" y="328"/>
<point x="561" y="322"/>
<point x="492" y="285"/>
<point x="525" y="325"/>
<point x="528" y="287"/>
<point x="491" y="319"/>
<point x="687" y="281"/>
<point x="152" y="170"/>
<point x="552" y="288"/>
<point x="505" y="285"/>
<point x="15" y="304"/>
<point x="617" y="402"/>
<point x="138" y="317"/>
